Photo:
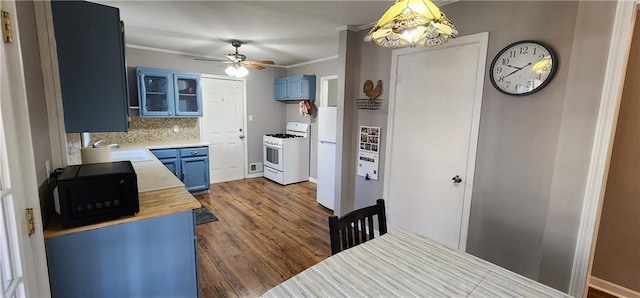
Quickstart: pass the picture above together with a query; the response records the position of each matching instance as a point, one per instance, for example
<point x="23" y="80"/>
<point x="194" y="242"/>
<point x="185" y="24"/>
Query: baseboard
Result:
<point x="611" y="288"/>
<point x="313" y="180"/>
<point x="255" y="175"/>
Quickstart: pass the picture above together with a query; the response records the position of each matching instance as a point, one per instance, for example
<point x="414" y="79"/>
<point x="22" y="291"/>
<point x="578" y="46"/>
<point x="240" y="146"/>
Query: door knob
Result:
<point x="241" y="136"/>
<point x="456" y="179"/>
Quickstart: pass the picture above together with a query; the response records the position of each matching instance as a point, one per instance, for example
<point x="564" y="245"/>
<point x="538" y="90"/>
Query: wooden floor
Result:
<point x="266" y="233"/>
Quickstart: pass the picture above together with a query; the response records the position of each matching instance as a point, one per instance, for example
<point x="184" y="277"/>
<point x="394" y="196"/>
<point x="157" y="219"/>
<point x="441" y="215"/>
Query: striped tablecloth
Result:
<point x="403" y="264"/>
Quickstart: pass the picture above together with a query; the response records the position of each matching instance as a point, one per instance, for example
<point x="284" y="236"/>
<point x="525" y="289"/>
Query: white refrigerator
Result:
<point x="326" y="156"/>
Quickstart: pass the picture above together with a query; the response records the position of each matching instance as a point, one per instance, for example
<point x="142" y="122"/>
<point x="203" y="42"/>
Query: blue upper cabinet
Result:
<point x="281" y="88"/>
<point x="93" y="79"/>
<point x="188" y="94"/>
<point x="302" y="87"/>
<point x="167" y="93"/>
<point x="155" y="92"/>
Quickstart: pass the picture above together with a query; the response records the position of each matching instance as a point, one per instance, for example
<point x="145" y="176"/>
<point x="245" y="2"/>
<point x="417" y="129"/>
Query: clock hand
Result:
<point x="518" y="69"/>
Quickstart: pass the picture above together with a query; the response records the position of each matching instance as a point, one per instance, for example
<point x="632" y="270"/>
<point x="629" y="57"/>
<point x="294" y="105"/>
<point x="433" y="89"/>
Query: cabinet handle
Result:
<point x="194" y="152"/>
<point x="184" y="175"/>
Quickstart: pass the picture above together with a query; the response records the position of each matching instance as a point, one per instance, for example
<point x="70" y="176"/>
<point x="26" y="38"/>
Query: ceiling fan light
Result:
<point x="236" y="71"/>
<point x="241" y="72"/>
<point x="230" y="71"/>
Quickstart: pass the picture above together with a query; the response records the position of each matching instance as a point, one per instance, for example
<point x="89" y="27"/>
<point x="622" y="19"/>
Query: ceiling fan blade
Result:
<point x="232" y="57"/>
<point x="209" y="59"/>
<point x="264" y="62"/>
<point x="258" y="67"/>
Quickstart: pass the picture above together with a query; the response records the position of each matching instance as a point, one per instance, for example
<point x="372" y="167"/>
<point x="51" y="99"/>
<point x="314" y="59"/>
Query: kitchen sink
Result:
<point x="131" y="155"/>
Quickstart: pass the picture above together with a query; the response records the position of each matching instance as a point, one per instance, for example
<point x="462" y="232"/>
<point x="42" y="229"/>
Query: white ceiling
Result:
<point x="287" y="32"/>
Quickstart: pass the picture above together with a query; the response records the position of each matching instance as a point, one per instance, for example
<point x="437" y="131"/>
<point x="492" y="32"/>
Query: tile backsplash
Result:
<point x="141" y="130"/>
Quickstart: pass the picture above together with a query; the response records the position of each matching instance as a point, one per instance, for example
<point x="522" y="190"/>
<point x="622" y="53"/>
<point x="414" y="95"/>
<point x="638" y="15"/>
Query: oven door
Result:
<point x="272" y="157"/>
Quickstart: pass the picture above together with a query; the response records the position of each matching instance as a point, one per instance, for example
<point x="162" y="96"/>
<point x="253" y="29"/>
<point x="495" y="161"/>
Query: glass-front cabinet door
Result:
<point x="155" y="93"/>
<point x="168" y="93"/>
<point x="188" y="94"/>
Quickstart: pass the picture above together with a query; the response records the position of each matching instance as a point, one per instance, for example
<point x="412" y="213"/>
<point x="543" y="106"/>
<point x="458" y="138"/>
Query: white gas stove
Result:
<point x="286" y="156"/>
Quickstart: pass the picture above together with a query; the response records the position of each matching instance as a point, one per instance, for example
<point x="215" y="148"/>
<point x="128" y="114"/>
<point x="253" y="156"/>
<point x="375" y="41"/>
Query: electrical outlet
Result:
<point x="250" y="117"/>
<point x="176" y="128"/>
<point x="47" y="168"/>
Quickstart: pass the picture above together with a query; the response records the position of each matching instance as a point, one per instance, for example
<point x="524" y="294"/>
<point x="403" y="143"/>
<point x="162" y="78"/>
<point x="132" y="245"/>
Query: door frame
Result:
<point x="324" y="90"/>
<point x="21" y="165"/>
<point x="482" y="39"/>
<point x="245" y="146"/>
<point x="619" y="48"/>
<point x="51" y="80"/>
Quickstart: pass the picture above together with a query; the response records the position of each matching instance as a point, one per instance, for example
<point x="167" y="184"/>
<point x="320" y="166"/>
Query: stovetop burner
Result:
<point x="283" y="136"/>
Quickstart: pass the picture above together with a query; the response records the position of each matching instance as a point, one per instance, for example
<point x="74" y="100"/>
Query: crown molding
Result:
<point x="312" y="62"/>
<point x="366" y="26"/>
<point x="347" y="27"/>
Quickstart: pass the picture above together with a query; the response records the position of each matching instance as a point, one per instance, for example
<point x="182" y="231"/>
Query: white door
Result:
<point x="222" y="125"/>
<point x="23" y="271"/>
<point x="433" y="128"/>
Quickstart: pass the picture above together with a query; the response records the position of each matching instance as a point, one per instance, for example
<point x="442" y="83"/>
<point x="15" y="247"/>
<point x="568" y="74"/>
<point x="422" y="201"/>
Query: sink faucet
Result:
<point x="98" y="142"/>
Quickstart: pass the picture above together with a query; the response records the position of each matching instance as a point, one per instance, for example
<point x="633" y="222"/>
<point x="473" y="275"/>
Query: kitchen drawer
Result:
<point x="273" y="175"/>
<point x="165" y="153"/>
<point x="189" y="152"/>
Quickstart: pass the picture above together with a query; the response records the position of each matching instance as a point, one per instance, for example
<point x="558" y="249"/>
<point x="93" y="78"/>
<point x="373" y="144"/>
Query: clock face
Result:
<point x="523" y="68"/>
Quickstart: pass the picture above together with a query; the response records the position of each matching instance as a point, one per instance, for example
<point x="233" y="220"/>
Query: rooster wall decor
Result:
<point x="371" y="92"/>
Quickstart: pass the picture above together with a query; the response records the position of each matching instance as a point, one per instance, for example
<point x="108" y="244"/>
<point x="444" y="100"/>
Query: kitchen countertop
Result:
<point x="152" y="204"/>
<point x="152" y="175"/>
<point x="160" y="192"/>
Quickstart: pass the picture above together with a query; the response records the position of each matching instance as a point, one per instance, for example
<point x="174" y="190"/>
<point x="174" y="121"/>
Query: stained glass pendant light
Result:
<point x="410" y="23"/>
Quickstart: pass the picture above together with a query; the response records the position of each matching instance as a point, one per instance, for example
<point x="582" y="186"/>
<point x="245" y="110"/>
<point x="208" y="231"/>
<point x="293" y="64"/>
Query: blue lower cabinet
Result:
<point x="173" y="164"/>
<point x="154" y="257"/>
<point x="170" y="159"/>
<point x="195" y="173"/>
<point x="190" y="165"/>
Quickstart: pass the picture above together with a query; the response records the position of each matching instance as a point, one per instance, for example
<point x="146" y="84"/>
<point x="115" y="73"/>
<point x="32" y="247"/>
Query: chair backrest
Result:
<point x="356" y="227"/>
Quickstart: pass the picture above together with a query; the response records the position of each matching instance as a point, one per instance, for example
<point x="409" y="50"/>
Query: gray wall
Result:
<point x="36" y="101"/>
<point x="374" y="64"/>
<point x="268" y="115"/>
<point x="349" y="45"/>
<point x="319" y="69"/>
<point x="525" y="211"/>
<point x="518" y="135"/>
<point x="577" y="129"/>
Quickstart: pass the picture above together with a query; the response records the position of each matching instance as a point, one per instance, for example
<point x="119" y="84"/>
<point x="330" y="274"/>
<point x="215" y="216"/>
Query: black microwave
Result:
<point x="92" y="193"/>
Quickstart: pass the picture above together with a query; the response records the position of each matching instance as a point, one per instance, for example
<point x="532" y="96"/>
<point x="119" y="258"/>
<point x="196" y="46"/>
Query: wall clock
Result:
<point x="523" y="67"/>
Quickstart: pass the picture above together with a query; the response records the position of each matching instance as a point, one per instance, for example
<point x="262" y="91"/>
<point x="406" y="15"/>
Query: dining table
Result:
<point x="401" y="263"/>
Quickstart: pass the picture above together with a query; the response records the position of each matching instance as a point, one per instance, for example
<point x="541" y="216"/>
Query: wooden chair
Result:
<point x="356" y="227"/>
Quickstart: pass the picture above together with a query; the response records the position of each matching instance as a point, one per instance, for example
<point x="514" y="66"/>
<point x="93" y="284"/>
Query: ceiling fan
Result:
<point x="238" y="63"/>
